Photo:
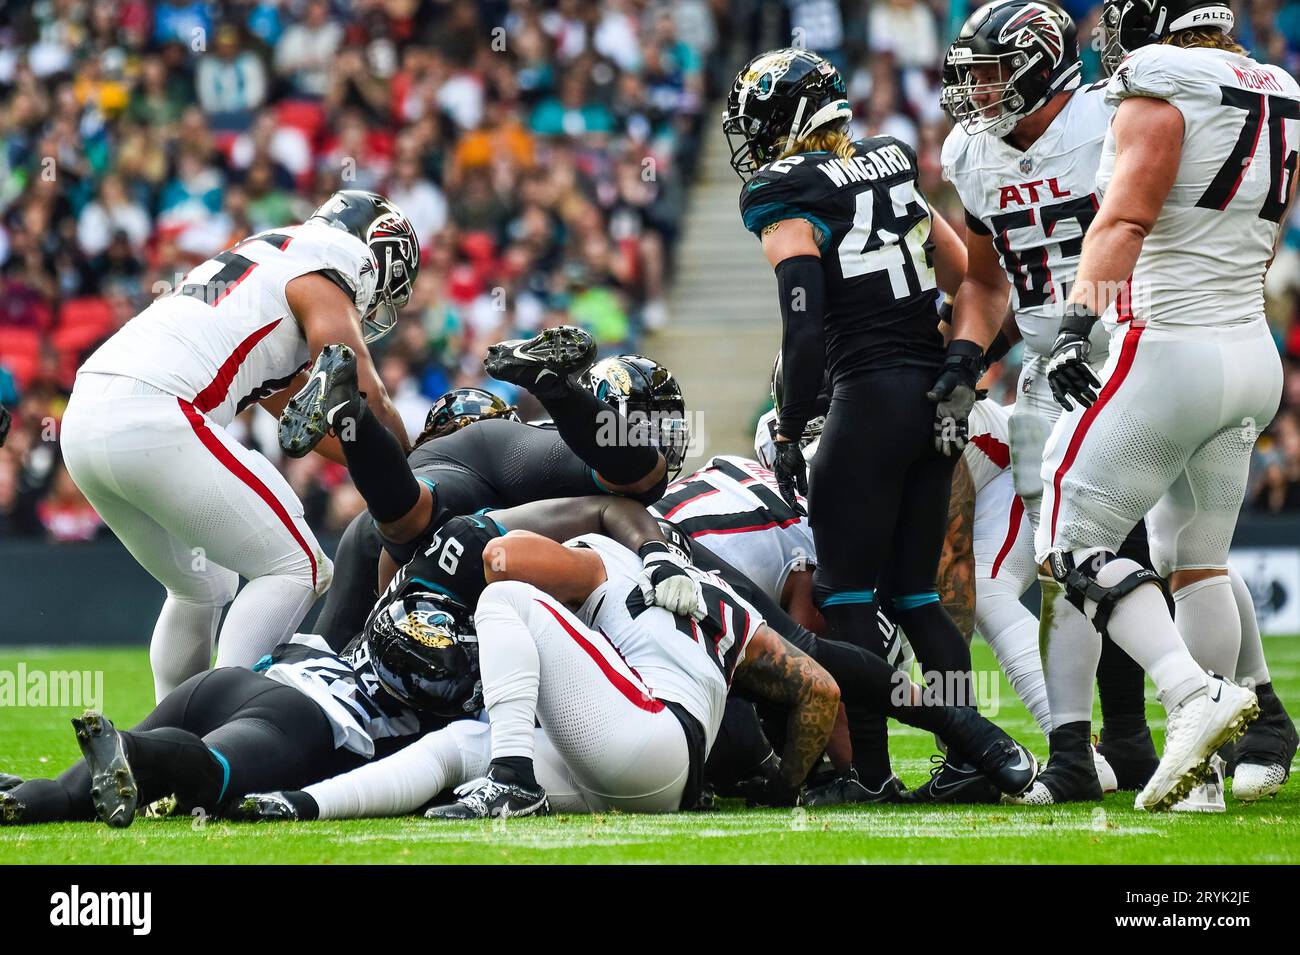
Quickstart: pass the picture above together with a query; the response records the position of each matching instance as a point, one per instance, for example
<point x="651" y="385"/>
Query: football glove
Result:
<point x="1068" y="373"/>
<point x="954" y="395"/>
<point x="665" y="583"/>
<point x="791" y="472"/>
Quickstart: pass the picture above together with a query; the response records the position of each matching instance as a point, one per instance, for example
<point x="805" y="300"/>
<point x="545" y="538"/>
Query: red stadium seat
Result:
<point x="86" y="312"/>
<point x="20" y="352"/>
<point x="302" y="114"/>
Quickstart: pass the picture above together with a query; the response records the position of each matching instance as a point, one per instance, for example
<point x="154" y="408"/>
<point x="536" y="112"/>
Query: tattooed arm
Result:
<point x="956" y="583"/>
<point x="775" y="671"/>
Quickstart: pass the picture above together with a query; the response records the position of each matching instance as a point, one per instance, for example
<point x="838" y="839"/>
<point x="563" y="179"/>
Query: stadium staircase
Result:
<point x="724" y="329"/>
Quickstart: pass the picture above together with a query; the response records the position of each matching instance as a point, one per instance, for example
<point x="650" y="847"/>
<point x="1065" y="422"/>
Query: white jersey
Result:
<point x="346" y="689"/>
<point x="1036" y="204"/>
<point x="1204" y="261"/>
<point x="226" y="337"/>
<point x="690" y="665"/>
<point x="733" y="507"/>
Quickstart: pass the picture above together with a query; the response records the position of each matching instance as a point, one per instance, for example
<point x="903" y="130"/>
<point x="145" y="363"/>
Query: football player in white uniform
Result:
<point x="1196" y="172"/>
<point x="145" y="438"/>
<point x="1023" y="158"/>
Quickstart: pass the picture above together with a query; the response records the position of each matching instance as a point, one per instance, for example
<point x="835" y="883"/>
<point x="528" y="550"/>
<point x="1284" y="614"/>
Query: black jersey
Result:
<point x="450" y="563"/>
<point x="501" y="463"/>
<point x="872" y="225"/>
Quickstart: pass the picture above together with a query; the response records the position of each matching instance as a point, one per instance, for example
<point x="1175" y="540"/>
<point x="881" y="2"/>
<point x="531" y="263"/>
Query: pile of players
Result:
<point x="537" y="617"/>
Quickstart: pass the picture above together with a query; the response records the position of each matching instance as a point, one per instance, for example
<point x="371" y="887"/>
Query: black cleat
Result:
<point x="848" y="789"/>
<point x="266" y="807"/>
<point x="487" y="798"/>
<point x="112" y="784"/>
<point x="954" y="783"/>
<point x="544" y="361"/>
<point x="1265" y="752"/>
<point x="1009" y="766"/>
<point x="11" y="810"/>
<point x="1071" y="772"/>
<point x="1132" y="756"/>
<point x="9" y="781"/>
<point x="330" y="394"/>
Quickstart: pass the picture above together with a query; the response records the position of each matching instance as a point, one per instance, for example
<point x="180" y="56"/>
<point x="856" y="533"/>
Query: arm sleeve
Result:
<point x="801" y="287"/>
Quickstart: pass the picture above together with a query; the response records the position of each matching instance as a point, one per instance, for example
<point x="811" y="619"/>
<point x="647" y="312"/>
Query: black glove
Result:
<point x="791" y="472"/>
<point x="767" y="791"/>
<point x="1068" y="373"/>
<point x="954" y="395"/>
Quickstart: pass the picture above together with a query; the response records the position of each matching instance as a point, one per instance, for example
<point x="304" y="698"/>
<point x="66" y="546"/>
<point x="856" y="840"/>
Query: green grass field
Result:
<point x="37" y="740"/>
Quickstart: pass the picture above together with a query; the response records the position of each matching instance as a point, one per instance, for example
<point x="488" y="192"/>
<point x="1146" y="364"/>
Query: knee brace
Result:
<point x="1081" y="583"/>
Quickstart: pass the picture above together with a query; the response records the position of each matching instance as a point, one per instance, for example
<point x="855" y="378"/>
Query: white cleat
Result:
<point x="1208" y="796"/>
<point x="1196" y="728"/>
<point x="1252" y="781"/>
<point x="1105" y="775"/>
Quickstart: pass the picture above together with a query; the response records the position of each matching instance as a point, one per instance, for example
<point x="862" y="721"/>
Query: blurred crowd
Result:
<point x="543" y="149"/>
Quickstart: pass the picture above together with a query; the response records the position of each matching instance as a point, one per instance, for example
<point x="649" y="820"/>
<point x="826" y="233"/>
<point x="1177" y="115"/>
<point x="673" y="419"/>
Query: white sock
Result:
<point x="1071" y="649"/>
<point x="1140" y="626"/>
<point x="265" y="614"/>
<point x="405" y="781"/>
<point x="510" y="667"/>
<point x="1011" y="631"/>
<point x="1251" y="669"/>
<point x="182" y="643"/>
<point x="1205" y="613"/>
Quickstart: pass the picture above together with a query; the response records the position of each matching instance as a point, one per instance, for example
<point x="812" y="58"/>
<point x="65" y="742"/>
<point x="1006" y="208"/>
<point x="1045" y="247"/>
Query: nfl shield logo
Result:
<point x="1026" y="164"/>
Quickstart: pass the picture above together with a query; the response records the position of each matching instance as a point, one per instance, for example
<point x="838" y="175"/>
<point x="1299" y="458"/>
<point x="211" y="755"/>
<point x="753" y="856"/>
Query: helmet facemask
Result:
<point x="1002" y="107"/>
<point x="397" y="254"/>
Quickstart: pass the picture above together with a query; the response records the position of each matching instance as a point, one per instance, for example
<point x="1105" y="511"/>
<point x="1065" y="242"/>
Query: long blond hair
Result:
<point x="836" y="141"/>
<point x="1206" y="37"/>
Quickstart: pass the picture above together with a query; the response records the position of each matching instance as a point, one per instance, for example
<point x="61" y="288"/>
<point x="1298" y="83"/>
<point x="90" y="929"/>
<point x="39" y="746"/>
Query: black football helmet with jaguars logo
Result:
<point x="778" y="98"/>
<point x="392" y="241"/>
<point x="1127" y="25"/>
<point x="461" y="407"/>
<point x="1009" y="59"/>
<point x="424" y="650"/>
<point x="645" y="393"/>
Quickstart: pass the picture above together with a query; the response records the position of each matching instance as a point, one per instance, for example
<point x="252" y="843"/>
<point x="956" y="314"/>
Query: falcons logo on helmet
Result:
<point x="1036" y="24"/>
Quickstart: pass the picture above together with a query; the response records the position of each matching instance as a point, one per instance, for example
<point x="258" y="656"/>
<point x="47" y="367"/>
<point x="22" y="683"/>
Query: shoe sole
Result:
<point x="11" y="810"/>
<point x="565" y="350"/>
<point x="303" y="423"/>
<point x="1197" y="773"/>
<point x="112" y="784"/>
<point x="540" y="808"/>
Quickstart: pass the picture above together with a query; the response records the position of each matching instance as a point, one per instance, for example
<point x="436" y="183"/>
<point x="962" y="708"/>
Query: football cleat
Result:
<point x="1196" y="727"/>
<point x="847" y="789"/>
<point x="1132" y="757"/>
<point x="487" y="798"/>
<point x="1264" y="753"/>
<point x="112" y="784"/>
<point x="9" y="781"/>
<point x="329" y="395"/>
<point x="11" y="810"/>
<point x="1071" y="771"/>
<point x="953" y="783"/>
<point x="544" y="361"/>
<point x="1208" y="796"/>
<point x="266" y="807"/>
<point x="1008" y="765"/>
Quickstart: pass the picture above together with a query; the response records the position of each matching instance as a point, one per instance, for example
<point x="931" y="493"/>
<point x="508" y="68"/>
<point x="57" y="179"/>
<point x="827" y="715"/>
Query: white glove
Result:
<point x="665" y="583"/>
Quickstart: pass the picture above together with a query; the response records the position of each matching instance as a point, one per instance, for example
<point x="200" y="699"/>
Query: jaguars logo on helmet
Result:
<point x="645" y="391"/>
<point x="424" y="651"/>
<point x="462" y="407"/>
<point x="777" y="99"/>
